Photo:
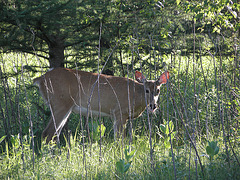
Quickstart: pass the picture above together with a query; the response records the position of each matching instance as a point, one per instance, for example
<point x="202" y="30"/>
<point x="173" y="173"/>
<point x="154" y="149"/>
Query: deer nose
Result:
<point x="153" y="106"/>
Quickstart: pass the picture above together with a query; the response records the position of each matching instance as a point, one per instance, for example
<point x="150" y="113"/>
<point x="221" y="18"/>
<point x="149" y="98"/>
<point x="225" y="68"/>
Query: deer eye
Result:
<point x="147" y="91"/>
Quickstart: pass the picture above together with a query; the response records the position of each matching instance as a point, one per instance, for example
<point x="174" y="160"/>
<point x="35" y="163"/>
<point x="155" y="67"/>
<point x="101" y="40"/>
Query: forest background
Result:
<point x="195" y="132"/>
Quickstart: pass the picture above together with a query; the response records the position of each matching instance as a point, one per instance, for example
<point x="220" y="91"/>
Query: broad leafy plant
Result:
<point x="123" y="165"/>
<point x="167" y="130"/>
<point x="96" y="131"/>
<point x="212" y="149"/>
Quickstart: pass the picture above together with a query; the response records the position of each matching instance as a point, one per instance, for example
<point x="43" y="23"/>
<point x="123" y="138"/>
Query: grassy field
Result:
<point x="200" y="108"/>
<point x="116" y="160"/>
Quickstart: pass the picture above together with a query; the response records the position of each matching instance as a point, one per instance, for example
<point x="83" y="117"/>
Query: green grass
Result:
<point x="55" y="162"/>
<point x="63" y="162"/>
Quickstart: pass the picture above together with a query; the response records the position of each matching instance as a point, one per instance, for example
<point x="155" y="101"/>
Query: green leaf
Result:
<point x="209" y="150"/>
<point x="178" y="2"/>
<point x="215" y="148"/>
<point x="173" y="135"/>
<point x="15" y="141"/>
<point x="167" y="145"/>
<point x="95" y="128"/>
<point x="163" y="128"/>
<point x="120" y="165"/>
<point x="126" y="167"/>
<point x="129" y="155"/>
<point x="167" y="129"/>
<point x="2" y="138"/>
<point x="216" y="29"/>
<point x="171" y="125"/>
<point x="103" y="129"/>
<point x="212" y="149"/>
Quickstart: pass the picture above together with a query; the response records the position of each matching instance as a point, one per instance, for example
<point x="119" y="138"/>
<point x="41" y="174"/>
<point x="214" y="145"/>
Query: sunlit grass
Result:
<point x="70" y="162"/>
<point x="65" y="162"/>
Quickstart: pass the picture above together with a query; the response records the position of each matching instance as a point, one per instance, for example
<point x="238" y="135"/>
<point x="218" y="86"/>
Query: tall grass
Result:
<point x="201" y="108"/>
<point x="69" y="163"/>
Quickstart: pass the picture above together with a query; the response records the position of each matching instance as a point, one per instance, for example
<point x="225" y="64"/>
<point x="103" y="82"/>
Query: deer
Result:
<point x="67" y="90"/>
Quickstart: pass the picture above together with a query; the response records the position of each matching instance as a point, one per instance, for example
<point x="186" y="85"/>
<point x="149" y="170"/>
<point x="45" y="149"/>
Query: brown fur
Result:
<point x="67" y="90"/>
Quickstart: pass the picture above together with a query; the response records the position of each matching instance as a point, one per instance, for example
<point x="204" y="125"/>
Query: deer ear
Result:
<point x="139" y="76"/>
<point x="163" y="78"/>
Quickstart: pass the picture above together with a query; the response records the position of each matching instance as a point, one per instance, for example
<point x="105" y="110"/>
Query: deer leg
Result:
<point x="56" y="123"/>
<point x="115" y="126"/>
<point x="119" y="125"/>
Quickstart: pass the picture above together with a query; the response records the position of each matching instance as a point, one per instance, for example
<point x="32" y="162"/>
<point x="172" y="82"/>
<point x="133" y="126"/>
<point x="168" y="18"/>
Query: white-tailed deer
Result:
<point x="67" y="90"/>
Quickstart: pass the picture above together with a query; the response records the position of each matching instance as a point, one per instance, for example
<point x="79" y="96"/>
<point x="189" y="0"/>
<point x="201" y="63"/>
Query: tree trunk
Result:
<point x="56" y="52"/>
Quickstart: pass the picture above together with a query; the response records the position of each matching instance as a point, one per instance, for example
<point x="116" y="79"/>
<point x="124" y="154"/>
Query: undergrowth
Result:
<point x="70" y="162"/>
